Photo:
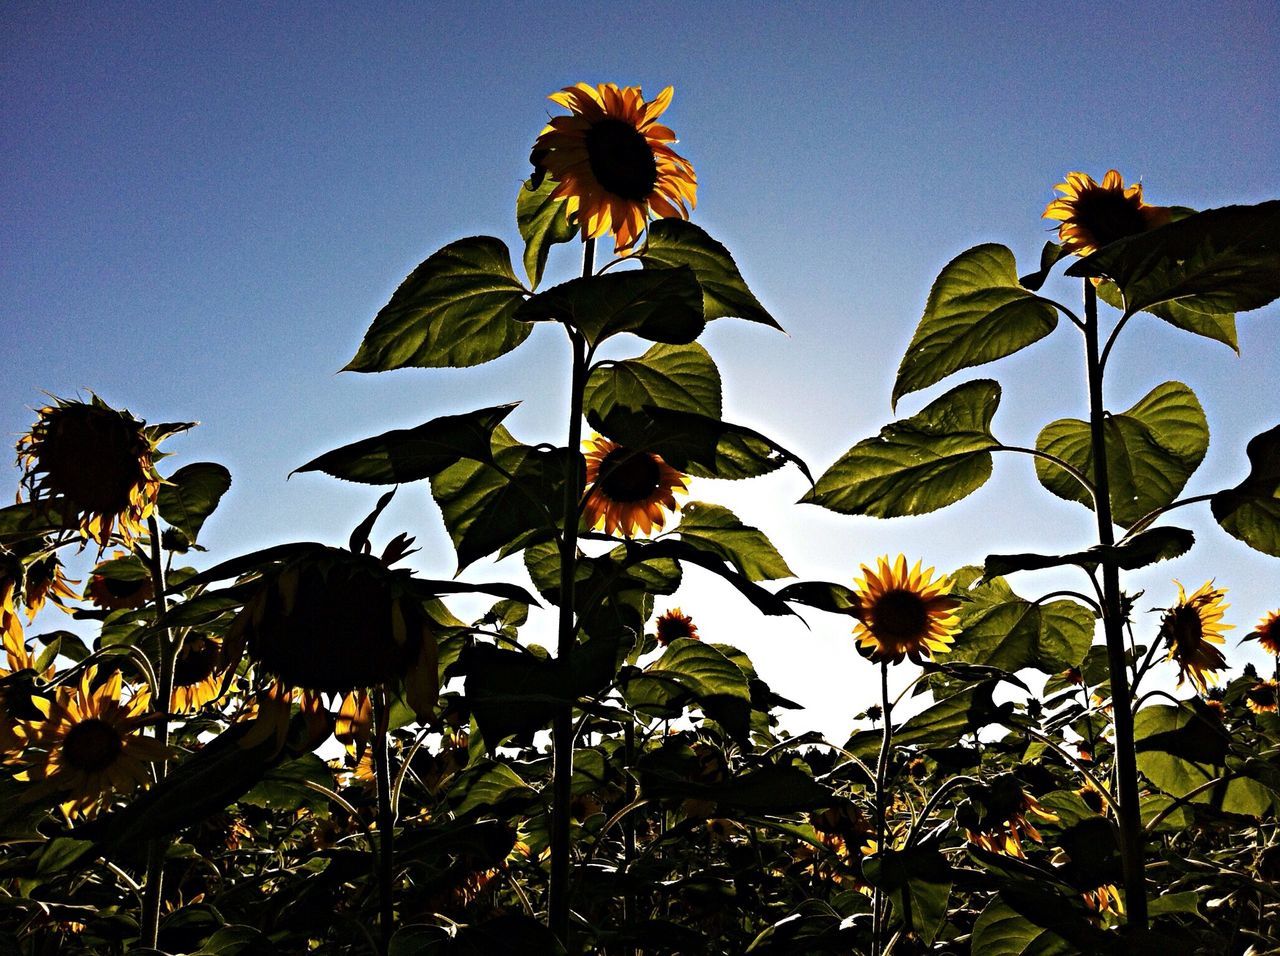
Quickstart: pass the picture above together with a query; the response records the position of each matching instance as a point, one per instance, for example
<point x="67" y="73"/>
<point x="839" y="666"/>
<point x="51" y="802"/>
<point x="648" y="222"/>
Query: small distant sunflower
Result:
<point x="1267" y="633"/>
<point x="1191" y="628"/>
<point x="96" y="463"/>
<point x="675" y="624"/>
<point x="1094" y="215"/>
<point x="628" y="490"/>
<point x="1263" y="697"/>
<point x="994" y="815"/>
<point x="613" y="161"/>
<point x="1104" y="899"/>
<point x="119" y="583"/>
<point x="198" y="673"/>
<point x="45" y="581"/>
<point x="89" y="744"/>
<point x="903" y="613"/>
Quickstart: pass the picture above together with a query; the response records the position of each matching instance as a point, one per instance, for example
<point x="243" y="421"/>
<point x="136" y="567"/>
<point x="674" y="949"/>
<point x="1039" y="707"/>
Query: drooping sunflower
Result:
<point x="1263" y="697"/>
<point x="628" y="489"/>
<point x="903" y="613"/>
<point x="97" y="463"/>
<point x="1094" y="215"/>
<point x="1267" y="633"/>
<point x="675" y="624"/>
<point x="45" y="581"/>
<point x="118" y="583"/>
<point x="88" y="744"/>
<point x="1190" y="628"/>
<point x="994" y="815"/>
<point x="613" y="162"/>
<point x="198" y="673"/>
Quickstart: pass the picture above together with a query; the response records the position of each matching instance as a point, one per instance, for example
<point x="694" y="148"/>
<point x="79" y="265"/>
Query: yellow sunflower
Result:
<point x="628" y="489"/>
<point x="613" y="161"/>
<point x="96" y="463"/>
<point x="118" y="583"/>
<point x="903" y="613"/>
<point x="10" y="623"/>
<point x="89" y="744"/>
<point x="197" y="673"/>
<point x="1094" y="215"/>
<point x="675" y="624"/>
<point x="45" y="581"/>
<point x="994" y="816"/>
<point x="1263" y="697"/>
<point x="1191" y="628"/>
<point x="354" y="726"/>
<point x="1267" y="633"/>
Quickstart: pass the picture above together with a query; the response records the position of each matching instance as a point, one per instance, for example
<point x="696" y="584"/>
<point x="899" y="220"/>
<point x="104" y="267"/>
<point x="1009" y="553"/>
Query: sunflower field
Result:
<point x="304" y="749"/>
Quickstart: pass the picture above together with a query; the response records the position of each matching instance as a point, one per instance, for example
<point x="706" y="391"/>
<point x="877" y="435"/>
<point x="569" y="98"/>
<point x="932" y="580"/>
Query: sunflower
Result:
<point x="97" y="462"/>
<point x="1104" y="899"/>
<point x="1191" y="628"/>
<point x="628" y="489"/>
<point x="994" y="815"/>
<point x="10" y="623"/>
<point x="198" y="673"/>
<point x="1267" y="633"/>
<point x="118" y="583"/>
<point x="613" y="162"/>
<point x="45" y="581"/>
<point x="88" y="745"/>
<point x="1263" y="697"/>
<point x="675" y="624"/>
<point x="903" y="613"/>
<point x="1094" y="215"/>
<point x="354" y="726"/>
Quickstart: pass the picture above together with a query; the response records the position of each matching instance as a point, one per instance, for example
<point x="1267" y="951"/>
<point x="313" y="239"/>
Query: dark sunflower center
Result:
<point x="628" y="475"/>
<point x="197" y="662"/>
<point x="621" y="159"/>
<point x="900" y="615"/>
<point x="1108" y="215"/>
<point x="92" y="458"/>
<point x="91" y="746"/>
<point x="1185" y="629"/>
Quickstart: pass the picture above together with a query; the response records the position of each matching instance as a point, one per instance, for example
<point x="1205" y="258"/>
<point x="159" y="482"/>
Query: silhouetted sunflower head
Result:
<point x="628" y="491"/>
<point x="994" y="815"/>
<point x="903" y="613"/>
<point x="1267" y="633"/>
<point x="1094" y="215"/>
<point x="1190" y="628"/>
<point x="675" y="624"/>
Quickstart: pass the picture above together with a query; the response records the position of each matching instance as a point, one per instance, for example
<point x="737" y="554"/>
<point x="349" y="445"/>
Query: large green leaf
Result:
<point x="675" y="242"/>
<point x="1251" y="510"/>
<point x="1219" y="327"/>
<point x="411" y="454"/>
<point x="1000" y="930"/>
<point x="1213" y="262"/>
<point x="976" y="313"/>
<point x="681" y="377"/>
<point x="489" y="787"/>
<point x="662" y="305"/>
<point x="542" y="223"/>
<point x="1152" y="449"/>
<point x="454" y="310"/>
<point x="945" y="722"/>
<point x="1000" y="629"/>
<point x="191" y="494"/>
<point x="918" y="882"/>
<point x="688" y="672"/>
<point x="487" y="507"/>
<point x="717" y="530"/>
<point x="918" y="464"/>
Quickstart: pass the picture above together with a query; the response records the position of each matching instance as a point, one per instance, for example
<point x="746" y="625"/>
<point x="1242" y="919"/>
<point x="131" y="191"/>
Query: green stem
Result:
<point x="562" y="726"/>
<point x="882" y="772"/>
<point x="386" y="819"/>
<point x="1126" y="764"/>
<point x="157" y="848"/>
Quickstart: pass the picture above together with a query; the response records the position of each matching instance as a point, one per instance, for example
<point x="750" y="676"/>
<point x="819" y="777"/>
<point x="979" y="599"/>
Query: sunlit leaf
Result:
<point x="918" y="464"/>
<point x="285" y="787"/>
<point x="717" y="530"/>
<point x="1000" y="629"/>
<point x="191" y="494"/>
<point x="1000" y="930"/>
<point x="1251" y="510"/>
<point x="542" y="223"/>
<point x="1152" y="449"/>
<point x="977" y="312"/>
<point x="489" y="787"/>
<point x="1219" y="327"/>
<point x="918" y="882"/>
<point x="681" y="377"/>
<point x="945" y="722"/>
<point x="454" y="310"/>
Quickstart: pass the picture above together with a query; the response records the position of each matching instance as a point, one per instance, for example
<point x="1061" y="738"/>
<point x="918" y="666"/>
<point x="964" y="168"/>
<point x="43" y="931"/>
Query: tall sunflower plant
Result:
<point x="1136" y="262"/>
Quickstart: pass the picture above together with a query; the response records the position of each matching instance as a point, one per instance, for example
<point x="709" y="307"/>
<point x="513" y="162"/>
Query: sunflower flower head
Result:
<point x="1263" y="697"/>
<point x="675" y="624"/>
<point x="628" y="491"/>
<point x="121" y="582"/>
<point x="612" y="161"/>
<point x="994" y="815"/>
<point x="1190" y="628"/>
<point x="198" y="673"/>
<point x="44" y="581"/>
<point x="94" y="465"/>
<point x="903" y="613"/>
<point x="1094" y="214"/>
<point x="1267" y="633"/>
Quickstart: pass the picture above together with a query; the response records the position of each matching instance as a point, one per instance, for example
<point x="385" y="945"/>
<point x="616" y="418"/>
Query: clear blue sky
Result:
<point x="202" y="207"/>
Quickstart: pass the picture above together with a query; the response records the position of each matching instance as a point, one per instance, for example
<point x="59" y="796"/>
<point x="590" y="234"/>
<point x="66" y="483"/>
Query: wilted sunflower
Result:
<point x="89" y="744"/>
<point x="1191" y="628"/>
<point x="97" y="463"/>
<point x="628" y="490"/>
<point x="1263" y="697"/>
<point x="1094" y="215"/>
<point x="675" y="624"/>
<point x="1267" y="633"/>
<point x="198" y="673"/>
<point x="44" y="581"/>
<point x="994" y="815"/>
<point x="903" y="613"/>
<point x="613" y="161"/>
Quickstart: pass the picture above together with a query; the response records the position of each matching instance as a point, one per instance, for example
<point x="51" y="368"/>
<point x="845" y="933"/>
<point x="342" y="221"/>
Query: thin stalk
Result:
<point x="562" y="730"/>
<point x="1126" y="764"/>
<point x="1066" y="466"/>
<point x="882" y="772"/>
<point x="153" y="887"/>
<point x="386" y="819"/>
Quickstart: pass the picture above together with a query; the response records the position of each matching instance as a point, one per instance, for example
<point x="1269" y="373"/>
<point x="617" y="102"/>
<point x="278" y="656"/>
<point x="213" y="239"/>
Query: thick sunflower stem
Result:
<point x="386" y="820"/>
<point x="157" y="848"/>
<point x="562" y="726"/>
<point x="1126" y="768"/>
<point x="878" y="902"/>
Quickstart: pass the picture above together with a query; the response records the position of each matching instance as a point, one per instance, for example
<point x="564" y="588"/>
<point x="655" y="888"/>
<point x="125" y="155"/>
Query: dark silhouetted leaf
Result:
<point x="680" y="377"/>
<point x="662" y="305"/>
<point x="191" y="494"/>
<point x="1251" y="510"/>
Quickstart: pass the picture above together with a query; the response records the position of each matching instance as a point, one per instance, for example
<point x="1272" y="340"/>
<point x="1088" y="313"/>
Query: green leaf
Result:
<point x="1050" y="256"/>
<point x="1000" y="930"/>
<point x="191" y="494"/>
<point x="486" y="787"/>
<point x="717" y="530"/>
<point x="945" y="722"/>
<point x="764" y="601"/>
<point x="688" y="673"/>
<point x="976" y="313"/>
<point x="1152" y="449"/>
<point x="1144" y="548"/>
<point x="1220" y="328"/>
<point x="676" y="242"/>
<point x="918" y="881"/>
<point x="1251" y="510"/>
<point x="918" y="464"/>
<point x="411" y="454"/>
<point x="60" y="853"/>
<point x="455" y="310"/>
<point x="1213" y="262"/>
<point x="542" y="223"/>
<point x="681" y="377"/>
<point x="662" y="305"/>
<point x="30" y="520"/>
<point x="285" y="787"/>
<point x="1000" y="629"/>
